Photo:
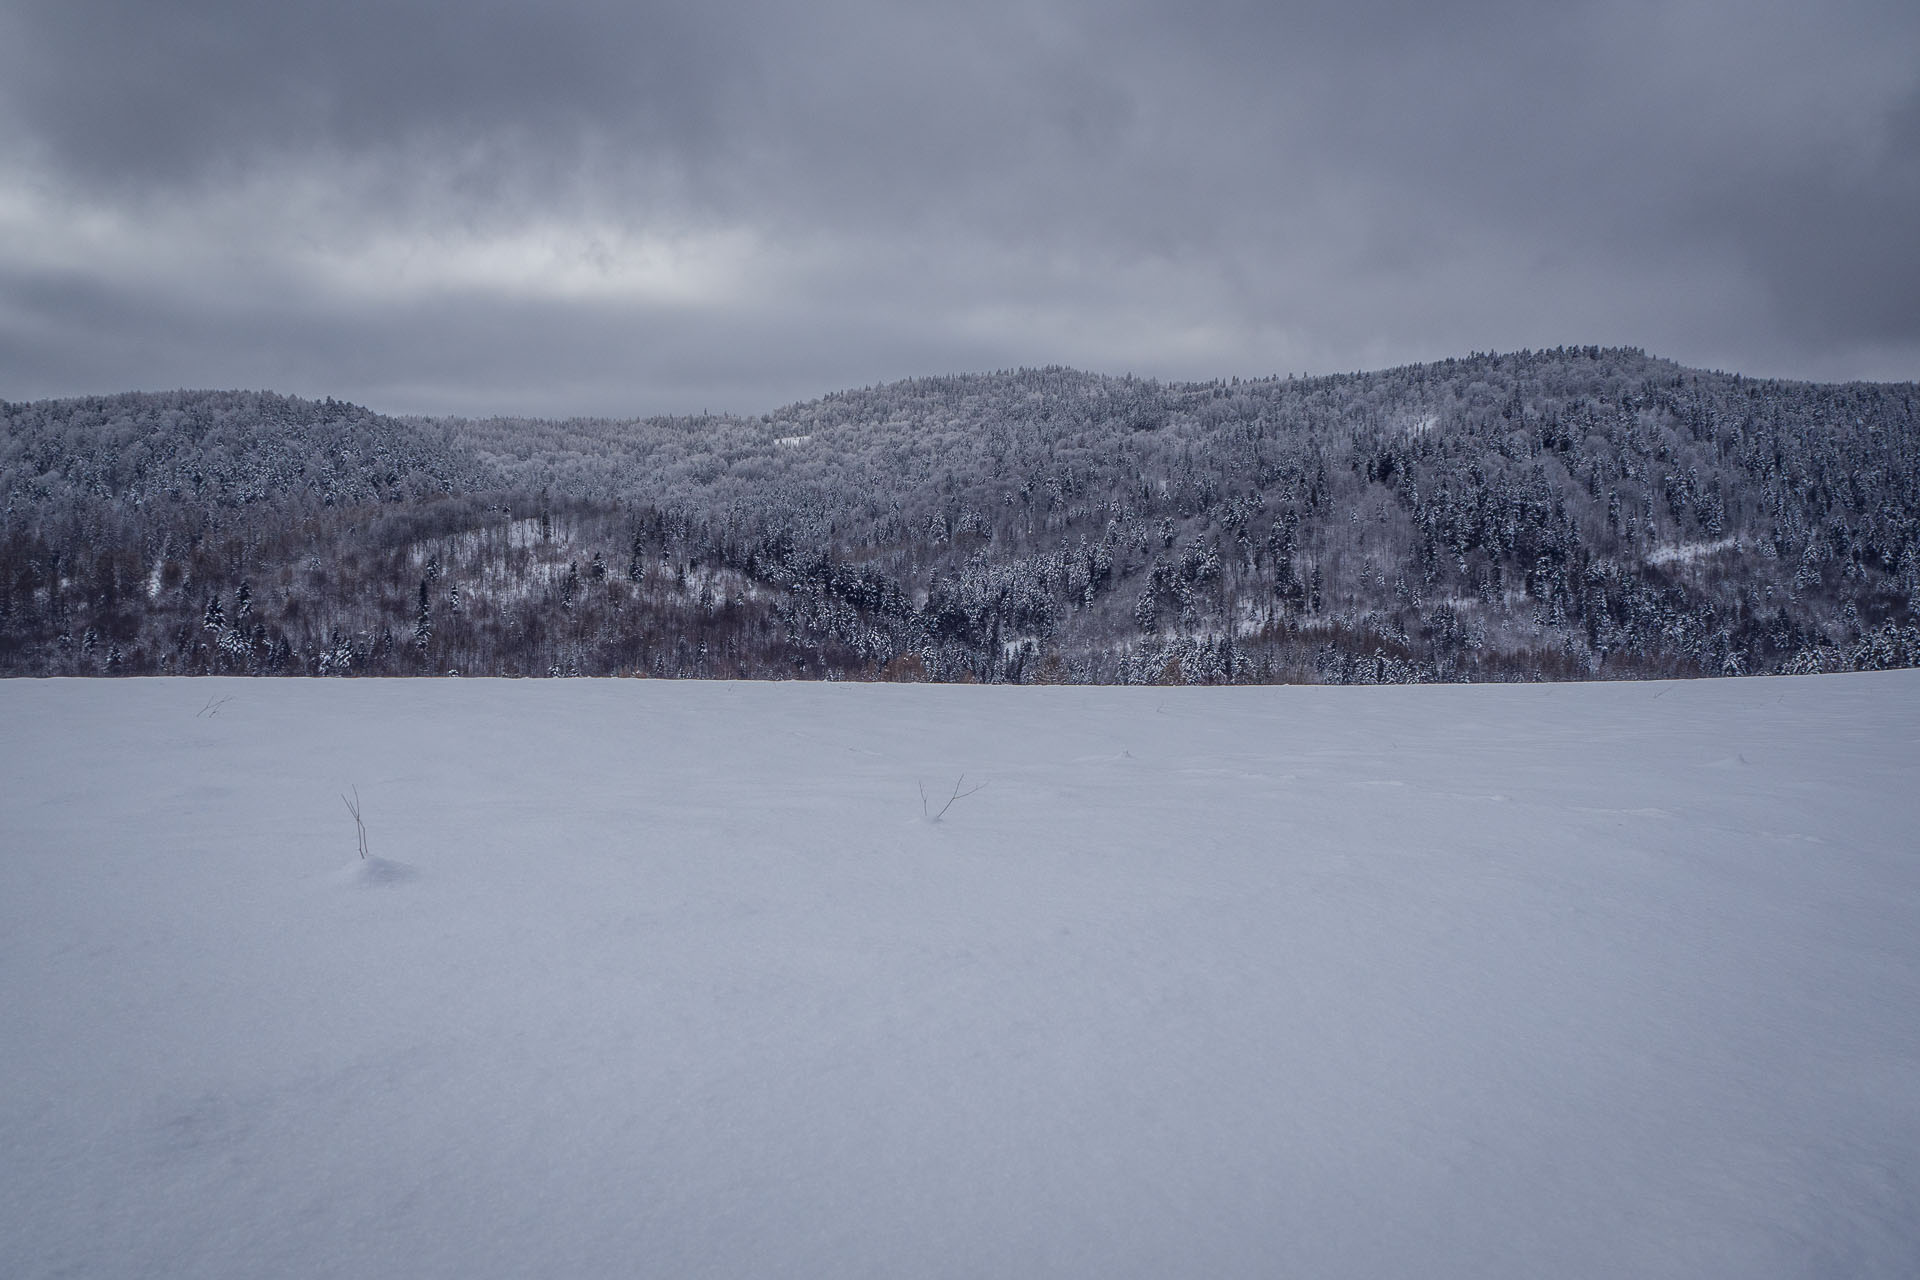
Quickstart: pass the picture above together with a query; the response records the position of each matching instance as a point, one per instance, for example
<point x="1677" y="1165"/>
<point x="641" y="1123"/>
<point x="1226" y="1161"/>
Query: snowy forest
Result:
<point x="1580" y="513"/>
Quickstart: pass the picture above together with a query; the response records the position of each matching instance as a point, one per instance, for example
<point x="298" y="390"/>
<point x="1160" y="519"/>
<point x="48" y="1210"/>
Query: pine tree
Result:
<point x="423" y="620"/>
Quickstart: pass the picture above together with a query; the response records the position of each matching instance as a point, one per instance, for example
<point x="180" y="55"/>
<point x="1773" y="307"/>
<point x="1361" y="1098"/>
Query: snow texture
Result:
<point x="674" y="979"/>
<point x="1689" y="552"/>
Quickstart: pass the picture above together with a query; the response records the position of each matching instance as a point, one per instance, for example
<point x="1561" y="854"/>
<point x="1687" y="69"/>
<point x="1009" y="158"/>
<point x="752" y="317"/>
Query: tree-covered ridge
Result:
<point x="225" y="449"/>
<point x="1565" y="513"/>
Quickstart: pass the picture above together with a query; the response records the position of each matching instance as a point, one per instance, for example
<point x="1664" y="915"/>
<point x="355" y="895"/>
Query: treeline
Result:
<point x="1576" y="513"/>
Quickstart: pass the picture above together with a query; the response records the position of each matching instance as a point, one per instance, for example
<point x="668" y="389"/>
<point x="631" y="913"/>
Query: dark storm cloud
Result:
<point x="579" y="205"/>
<point x="169" y="93"/>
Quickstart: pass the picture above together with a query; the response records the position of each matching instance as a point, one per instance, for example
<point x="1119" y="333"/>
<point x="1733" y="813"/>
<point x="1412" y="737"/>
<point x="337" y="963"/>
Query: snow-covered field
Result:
<point x="667" y="979"/>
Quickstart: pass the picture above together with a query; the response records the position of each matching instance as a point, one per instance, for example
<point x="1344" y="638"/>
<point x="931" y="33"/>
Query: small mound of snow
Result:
<point x="374" y="873"/>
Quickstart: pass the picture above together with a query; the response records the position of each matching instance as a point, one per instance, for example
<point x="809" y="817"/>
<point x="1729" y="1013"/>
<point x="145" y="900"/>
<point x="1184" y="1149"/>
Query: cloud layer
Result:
<point x="591" y="206"/>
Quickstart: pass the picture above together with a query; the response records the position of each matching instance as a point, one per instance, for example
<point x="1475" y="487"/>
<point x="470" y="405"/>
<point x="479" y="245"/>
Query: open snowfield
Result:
<point x="673" y="979"/>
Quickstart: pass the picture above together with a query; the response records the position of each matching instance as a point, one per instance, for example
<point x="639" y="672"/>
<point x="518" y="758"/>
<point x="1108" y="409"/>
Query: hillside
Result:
<point x="1571" y="513"/>
<point x="676" y="978"/>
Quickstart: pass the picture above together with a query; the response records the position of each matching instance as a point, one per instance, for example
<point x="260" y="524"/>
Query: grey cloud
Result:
<point x="1295" y="186"/>
<point x="160" y="93"/>
<point x="1837" y="243"/>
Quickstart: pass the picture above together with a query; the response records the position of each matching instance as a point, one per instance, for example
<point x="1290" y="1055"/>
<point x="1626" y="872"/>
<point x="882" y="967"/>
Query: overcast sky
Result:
<point x="620" y="207"/>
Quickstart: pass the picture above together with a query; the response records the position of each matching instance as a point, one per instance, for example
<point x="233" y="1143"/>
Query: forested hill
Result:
<point x="1573" y="513"/>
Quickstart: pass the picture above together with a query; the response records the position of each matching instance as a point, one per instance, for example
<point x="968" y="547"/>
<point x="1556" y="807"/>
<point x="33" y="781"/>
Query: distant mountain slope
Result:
<point x="226" y="448"/>
<point x="1575" y="512"/>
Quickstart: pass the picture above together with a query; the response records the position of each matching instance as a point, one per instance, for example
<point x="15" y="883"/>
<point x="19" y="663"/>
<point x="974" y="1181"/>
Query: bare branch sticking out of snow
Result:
<point x="360" y="827"/>
<point x="926" y="807"/>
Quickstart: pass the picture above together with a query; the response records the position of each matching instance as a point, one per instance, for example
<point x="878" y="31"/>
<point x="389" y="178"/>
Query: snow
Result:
<point x="1688" y="552"/>
<point x="372" y="873"/>
<point x="676" y="979"/>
